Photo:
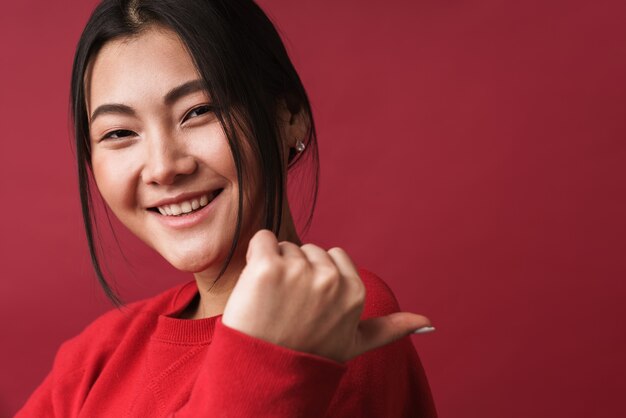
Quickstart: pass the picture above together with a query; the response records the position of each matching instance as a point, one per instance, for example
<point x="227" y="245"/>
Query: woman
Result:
<point x="189" y="115"/>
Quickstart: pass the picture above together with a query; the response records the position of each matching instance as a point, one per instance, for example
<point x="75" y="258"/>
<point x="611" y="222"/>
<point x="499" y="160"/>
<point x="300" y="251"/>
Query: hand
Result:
<point x="310" y="300"/>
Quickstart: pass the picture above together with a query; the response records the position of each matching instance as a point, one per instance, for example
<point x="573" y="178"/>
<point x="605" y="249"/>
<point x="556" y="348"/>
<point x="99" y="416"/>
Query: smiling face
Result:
<point x="159" y="152"/>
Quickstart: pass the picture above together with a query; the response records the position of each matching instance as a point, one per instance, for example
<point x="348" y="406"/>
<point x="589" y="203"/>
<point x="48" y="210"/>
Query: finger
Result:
<point x="378" y="332"/>
<point x="317" y="255"/>
<point x="262" y="244"/>
<point x="290" y="250"/>
<point x="295" y="262"/>
<point x="345" y="265"/>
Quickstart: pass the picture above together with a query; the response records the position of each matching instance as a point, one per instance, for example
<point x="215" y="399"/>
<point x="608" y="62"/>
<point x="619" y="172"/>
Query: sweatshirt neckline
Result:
<point x="170" y="328"/>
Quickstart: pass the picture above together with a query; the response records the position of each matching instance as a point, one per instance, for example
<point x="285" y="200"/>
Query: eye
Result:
<point x="118" y="134"/>
<point x="198" y="111"/>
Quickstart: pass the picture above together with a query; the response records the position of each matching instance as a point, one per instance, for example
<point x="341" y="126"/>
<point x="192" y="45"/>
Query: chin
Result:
<point x="194" y="261"/>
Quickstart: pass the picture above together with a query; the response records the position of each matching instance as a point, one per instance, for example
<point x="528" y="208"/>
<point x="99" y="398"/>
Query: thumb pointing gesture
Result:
<point x="377" y="332"/>
<point x="318" y="296"/>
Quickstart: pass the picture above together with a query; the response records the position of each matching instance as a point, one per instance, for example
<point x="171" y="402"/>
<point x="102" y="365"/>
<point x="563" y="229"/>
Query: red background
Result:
<point x="472" y="155"/>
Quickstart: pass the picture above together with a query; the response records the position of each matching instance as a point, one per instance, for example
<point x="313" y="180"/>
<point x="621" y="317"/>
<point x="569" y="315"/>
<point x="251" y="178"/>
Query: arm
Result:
<point x="253" y="377"/>
<point x="56" y="396"/>
<point x="244" y="376"/>
<point x="39" y="403"/>
<point x="388" y="382"/>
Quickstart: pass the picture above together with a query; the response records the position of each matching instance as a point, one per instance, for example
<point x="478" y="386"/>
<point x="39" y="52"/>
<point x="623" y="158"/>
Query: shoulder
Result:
<point x="379" y="298"/>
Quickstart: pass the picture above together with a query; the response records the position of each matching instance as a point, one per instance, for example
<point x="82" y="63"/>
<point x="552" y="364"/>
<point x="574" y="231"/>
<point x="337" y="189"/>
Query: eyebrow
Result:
<point x="183" y="90"/>
<point x="171" y="97"/>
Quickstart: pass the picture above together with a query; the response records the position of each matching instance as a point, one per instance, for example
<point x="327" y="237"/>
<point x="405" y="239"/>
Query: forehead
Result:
<point x="142" y="67"/>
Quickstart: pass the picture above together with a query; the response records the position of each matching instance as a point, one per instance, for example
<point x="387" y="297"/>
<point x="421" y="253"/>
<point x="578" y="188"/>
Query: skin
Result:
<point x="164" y="149"/>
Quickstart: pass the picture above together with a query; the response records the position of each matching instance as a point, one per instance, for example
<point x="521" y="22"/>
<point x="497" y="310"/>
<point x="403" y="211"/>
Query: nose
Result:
<point x="166" y="159"/>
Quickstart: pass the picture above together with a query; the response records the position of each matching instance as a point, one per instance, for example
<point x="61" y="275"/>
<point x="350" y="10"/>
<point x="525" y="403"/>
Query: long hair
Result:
<point x="246" y="70"/>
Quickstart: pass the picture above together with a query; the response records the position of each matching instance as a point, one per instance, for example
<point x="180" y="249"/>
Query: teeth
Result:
<point x="176" y="209"/>
<point x="186" y="207"/>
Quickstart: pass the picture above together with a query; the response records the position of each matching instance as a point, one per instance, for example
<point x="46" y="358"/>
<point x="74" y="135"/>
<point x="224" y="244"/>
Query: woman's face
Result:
<point x="160" y="157"/>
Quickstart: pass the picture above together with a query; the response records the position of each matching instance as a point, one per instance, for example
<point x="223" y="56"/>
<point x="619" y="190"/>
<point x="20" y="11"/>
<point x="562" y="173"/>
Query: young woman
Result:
<point x="188" y="117"/>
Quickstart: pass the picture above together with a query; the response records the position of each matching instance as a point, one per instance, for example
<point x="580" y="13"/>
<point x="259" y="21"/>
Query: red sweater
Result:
<point x="143" y="362"/>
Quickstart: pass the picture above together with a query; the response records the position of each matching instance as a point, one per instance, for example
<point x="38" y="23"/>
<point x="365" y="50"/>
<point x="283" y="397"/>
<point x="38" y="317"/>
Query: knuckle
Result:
<point x="308" y="245"/>
<point x="262" y="234"/>
<point x="326" y="283"/>
<point x="360" y="292"/>
<point x="337" y="250"/>
<point x="328" y="272"/>
<point x="357" y="295"/>
<point x="297" y="266"/>
<point x="287" y="244"/>
<point x="267" y="268"/>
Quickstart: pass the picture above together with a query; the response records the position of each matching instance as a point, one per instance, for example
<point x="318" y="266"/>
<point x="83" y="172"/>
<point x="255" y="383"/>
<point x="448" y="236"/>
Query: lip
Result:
<point x="189" y="220"/>
<point x="182" y="197"/>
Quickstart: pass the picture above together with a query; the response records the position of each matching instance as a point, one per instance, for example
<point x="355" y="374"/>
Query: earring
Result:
<point x="300" y="145"/>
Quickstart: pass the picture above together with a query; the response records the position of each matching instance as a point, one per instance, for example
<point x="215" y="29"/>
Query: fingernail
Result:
<point x="424" y="330"/>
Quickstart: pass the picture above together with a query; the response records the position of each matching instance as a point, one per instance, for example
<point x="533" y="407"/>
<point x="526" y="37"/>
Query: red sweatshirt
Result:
<point x="142" y="361"/>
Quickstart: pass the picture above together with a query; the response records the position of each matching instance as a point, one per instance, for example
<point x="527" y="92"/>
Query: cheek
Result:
<point x="115" y="180"/>
<point x="209" y="146"/>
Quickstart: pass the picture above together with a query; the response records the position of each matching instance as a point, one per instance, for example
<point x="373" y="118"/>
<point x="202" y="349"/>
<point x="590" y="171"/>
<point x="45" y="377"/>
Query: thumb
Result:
<point x="383" y="330"/>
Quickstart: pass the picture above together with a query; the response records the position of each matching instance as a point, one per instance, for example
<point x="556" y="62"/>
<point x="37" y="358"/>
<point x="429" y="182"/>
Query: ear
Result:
<point x="294" y="125"/>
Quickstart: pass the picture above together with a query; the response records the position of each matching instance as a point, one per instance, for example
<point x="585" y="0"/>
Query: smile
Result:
<point x="187" y="206"/>
<point x="179" y="219"/>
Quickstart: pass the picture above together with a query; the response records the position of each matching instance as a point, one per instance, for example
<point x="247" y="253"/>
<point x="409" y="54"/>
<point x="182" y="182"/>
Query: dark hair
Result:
<point x="247" y="71"/>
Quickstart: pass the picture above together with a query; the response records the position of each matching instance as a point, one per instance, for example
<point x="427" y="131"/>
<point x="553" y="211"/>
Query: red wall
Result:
<point x="473" y="155"/>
